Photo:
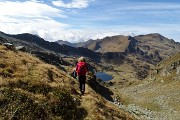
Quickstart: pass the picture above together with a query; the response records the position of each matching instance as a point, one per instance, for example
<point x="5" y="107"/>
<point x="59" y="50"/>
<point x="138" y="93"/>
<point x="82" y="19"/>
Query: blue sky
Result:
<point x="81" y="20"/>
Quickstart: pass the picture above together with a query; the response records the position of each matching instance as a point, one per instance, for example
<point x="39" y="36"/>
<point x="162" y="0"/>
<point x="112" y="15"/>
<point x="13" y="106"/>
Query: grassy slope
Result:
<point x="160" y="93"/>
<point x="31" y="89"/>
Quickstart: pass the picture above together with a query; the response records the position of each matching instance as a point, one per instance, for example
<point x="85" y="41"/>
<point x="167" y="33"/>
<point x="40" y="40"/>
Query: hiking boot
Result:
<point x="82" y="92"/>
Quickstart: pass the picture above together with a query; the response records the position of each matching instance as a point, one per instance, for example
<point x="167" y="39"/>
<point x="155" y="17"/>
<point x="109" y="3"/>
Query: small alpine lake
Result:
<point x="103" y="76"/>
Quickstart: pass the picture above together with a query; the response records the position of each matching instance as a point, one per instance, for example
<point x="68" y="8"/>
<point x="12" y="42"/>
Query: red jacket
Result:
<point x="81" y="68"/>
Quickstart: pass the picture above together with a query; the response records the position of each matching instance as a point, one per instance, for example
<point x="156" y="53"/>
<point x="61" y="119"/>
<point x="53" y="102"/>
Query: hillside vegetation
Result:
<point x="33" y="90"/>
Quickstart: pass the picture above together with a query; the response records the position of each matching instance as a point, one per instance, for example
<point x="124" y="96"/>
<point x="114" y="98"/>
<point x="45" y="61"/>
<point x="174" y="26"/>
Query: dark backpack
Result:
<point x="74" y="74"/>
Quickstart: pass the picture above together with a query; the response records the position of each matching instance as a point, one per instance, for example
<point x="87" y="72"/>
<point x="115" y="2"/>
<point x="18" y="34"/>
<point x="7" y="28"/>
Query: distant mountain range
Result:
<point x="140" y="52"/>
<point x="137" y="51"/>
<point x="61" y="42"/>
<point x="35" y="43"/>
<point x="149" y="46"/>
<point x="79" y="44"/>
<point x="152" y="46"/>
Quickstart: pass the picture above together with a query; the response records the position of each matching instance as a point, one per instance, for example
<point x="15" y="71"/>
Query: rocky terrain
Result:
<point x="155" y="44"/>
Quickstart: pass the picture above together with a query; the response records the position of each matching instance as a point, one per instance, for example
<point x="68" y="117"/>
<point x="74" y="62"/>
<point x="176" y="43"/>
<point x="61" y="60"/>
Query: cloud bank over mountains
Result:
<point x="81" y="20"/>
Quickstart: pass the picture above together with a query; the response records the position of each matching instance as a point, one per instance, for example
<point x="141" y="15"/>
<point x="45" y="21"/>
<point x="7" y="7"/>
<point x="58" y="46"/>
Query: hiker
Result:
<point x="81" y="70"/>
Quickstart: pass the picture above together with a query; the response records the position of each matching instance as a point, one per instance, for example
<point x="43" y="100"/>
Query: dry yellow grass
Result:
<point x="33" y="89"/>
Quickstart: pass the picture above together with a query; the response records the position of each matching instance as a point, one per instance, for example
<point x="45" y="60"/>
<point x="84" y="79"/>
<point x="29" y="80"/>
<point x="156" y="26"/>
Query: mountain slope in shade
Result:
<point x="79" y="44"/>
<point x="61" y="42"/>
<point x="33" y="43"/>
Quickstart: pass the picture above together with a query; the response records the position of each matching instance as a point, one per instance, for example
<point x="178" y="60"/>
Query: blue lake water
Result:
<point x="103" y="76"/>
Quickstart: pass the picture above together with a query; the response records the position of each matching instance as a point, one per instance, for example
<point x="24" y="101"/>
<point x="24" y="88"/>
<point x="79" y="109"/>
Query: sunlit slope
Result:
<point x="31" y="89"/>
<point x="160" y="93"/>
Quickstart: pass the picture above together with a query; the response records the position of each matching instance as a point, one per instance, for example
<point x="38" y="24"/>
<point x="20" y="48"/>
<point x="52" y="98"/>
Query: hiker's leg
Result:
<point x="80" y="83"/>
<point x="83" y="82"/>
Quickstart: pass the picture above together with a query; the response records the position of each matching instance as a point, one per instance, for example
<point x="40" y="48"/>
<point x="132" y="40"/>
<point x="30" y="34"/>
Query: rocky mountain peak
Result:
<point x="62" y="42"/>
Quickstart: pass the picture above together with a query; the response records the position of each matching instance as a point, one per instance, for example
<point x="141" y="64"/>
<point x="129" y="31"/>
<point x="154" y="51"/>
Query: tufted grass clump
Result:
<point x="21" y="103"/>
<point x="33" y="87"/>
<point x="7" y="72"/>
<point x="65" y="105"/>
<point x="16" y="104"/>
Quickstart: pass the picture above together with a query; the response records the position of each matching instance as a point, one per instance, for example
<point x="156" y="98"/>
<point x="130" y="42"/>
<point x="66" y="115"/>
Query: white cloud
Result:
<point x="32" y="26"/>
<point x="73" y="4"/>
<point x="81" y="35"/>
<point x="132" y="30"/>
<point x="30" y="16"/>
<point x="28" y="9"/>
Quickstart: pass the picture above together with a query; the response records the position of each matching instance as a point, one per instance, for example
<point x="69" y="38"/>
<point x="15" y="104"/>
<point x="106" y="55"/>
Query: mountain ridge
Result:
<point x="35" y="42"/>
<point x="151" y="46"/>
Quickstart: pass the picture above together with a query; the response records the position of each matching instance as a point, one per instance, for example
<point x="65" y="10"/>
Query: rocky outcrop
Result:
<point x="51" y="58"/>
<point x="156" y="45"/>
<point x="61" y="42"/>
<point x="113" y="57"/>
<point x="132" y="47"/>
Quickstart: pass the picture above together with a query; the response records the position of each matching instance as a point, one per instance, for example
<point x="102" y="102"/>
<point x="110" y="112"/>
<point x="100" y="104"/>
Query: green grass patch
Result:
<point x="151" y="106"/>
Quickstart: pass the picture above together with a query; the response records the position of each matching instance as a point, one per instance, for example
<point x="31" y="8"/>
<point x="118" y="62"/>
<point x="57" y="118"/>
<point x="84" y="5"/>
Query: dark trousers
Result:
<point x="82" y="79"/>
